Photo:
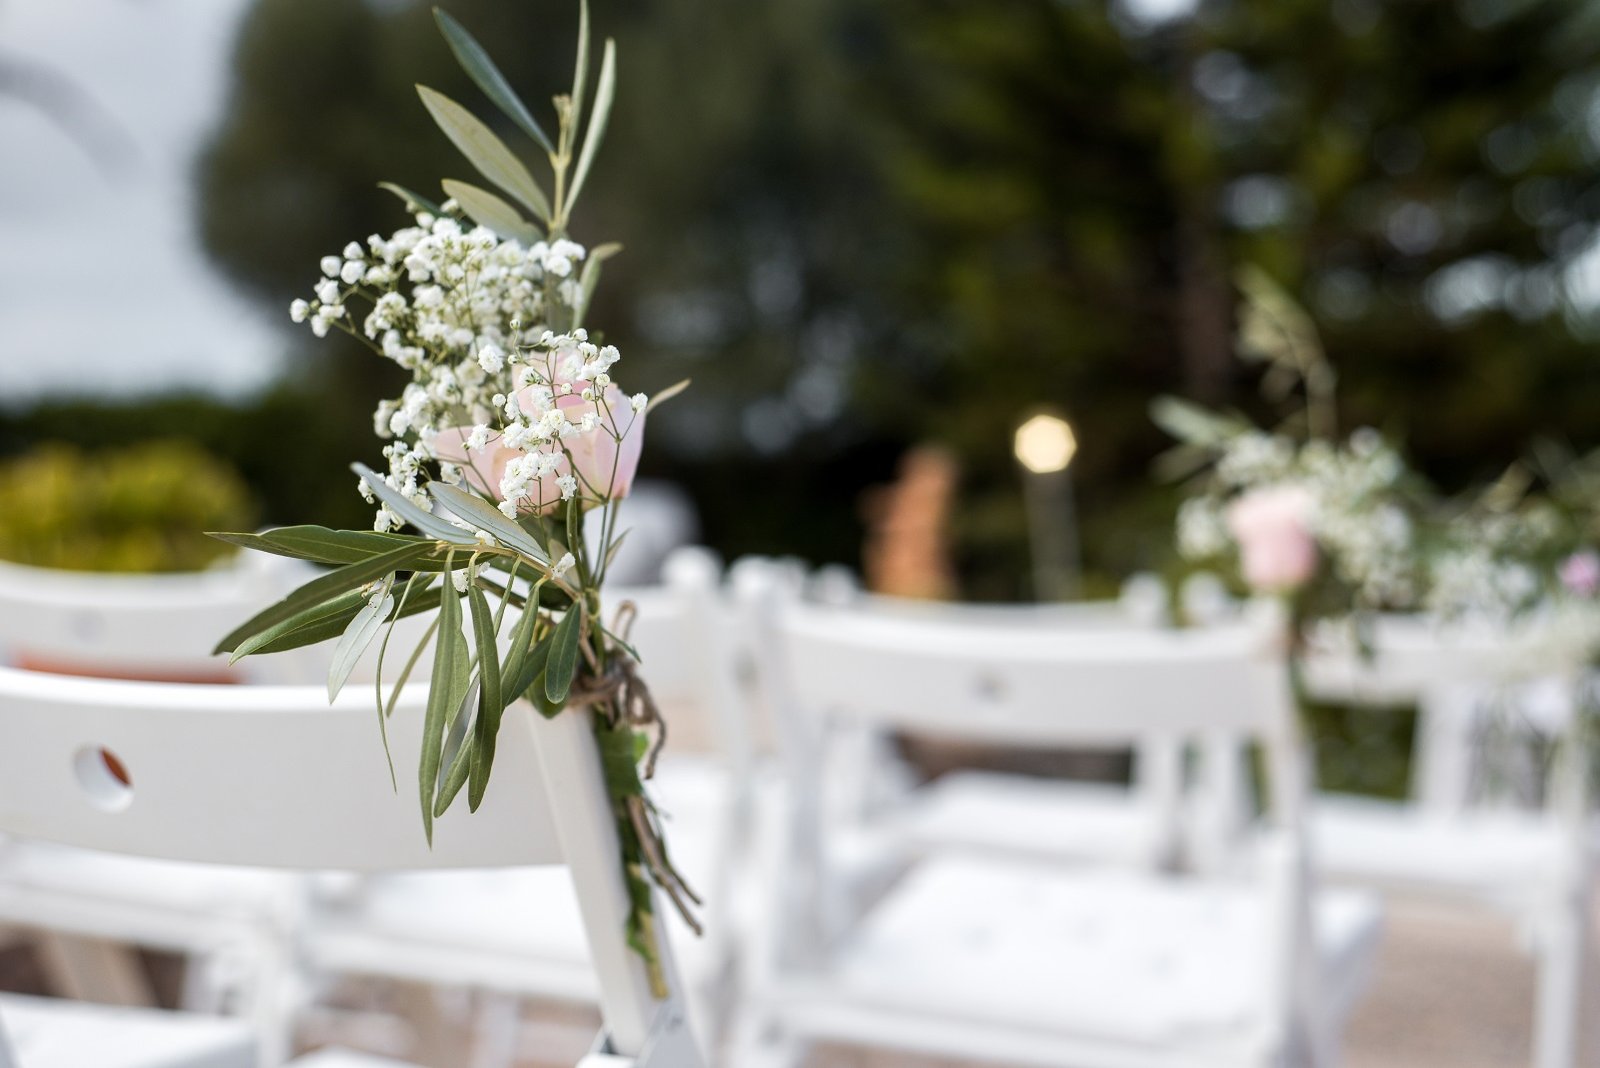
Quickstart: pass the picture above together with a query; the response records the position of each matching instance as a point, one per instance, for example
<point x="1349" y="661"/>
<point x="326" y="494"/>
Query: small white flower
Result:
<point x="330" y="266"/>
<point x="638" y="401"/>
<point x="562" y="566"/>
<point x="484" y="538"/>
<point x="351" y="272"/>
<point x="508" y="509"/>
<point x="569" y="487"/>
<point x="352" y="251"/>
<point x="460" y="580"/>
<point x="478" y="438"/>
<point x="328" y="291"/>
<point x="491" y="358"/>
<point x="298" y="310"/>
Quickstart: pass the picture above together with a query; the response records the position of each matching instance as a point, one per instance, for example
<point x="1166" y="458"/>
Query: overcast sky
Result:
<point x="103" y="287"/>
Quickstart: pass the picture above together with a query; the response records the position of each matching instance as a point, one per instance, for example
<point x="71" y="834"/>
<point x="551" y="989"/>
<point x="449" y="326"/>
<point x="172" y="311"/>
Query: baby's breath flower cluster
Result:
<point x="474" y="318"/>
<point x="1359" y="515"/>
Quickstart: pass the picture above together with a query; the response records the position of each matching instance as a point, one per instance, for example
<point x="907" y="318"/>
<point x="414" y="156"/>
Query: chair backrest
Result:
<point x="1047" y="685"/>
<point x="135" y="626"/>
<point x="1408" y="657"/>
<point x="1063" y="685"/>
<point x="273" y="776"/>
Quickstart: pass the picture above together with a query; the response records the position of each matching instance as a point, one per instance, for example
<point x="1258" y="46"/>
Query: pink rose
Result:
<point x="1580" y="573"/>
<point x="1277" y="551"/>
<point x="604" y="466"/>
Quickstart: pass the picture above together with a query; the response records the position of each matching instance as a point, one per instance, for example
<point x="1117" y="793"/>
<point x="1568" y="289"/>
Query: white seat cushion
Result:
<point x="989" y="811"/>
<point x="52" y="1033"/>
<point x="1098" y="955"/>
<point x="1500" y="855"/>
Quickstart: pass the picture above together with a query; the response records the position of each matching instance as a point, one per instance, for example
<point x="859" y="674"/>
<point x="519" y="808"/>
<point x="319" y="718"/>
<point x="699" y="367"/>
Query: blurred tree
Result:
<point x="1080" y="184"/>
<point x="860" y="225"/>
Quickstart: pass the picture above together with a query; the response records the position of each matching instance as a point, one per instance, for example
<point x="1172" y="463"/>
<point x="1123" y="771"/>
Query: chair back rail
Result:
<point x="267" y="776"/>
<point x="1042" y="686"/>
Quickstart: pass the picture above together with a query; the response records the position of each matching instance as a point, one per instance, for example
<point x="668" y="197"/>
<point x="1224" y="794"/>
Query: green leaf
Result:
<point x="481" y="69"/>
<point x="591" y="276"/>
<point x="445" y="694"/>
<point x="323" y="628"/>
<point x="461" y="757"/>
<point x="665" y="395"/>
<point x="522" y="647"/>
<point x="485" y="151"/>
<point x="490" y="702"/>
<point x="318" y="544"/>
<point x="413" y="201"/>
<point x="377" y="681"/>
<point x="580" y="67"/>
<point x="530" y="674"/>
<point x="597" y="121"/>
<point x="324" y="588"/>
<point x="563" y="656"/>
<point x="486" y="209"/>
<point x="485" y="516"/>
<point x="330" y="617"/>
<point x="426" y="522"/>
<point x="361" y="632"/>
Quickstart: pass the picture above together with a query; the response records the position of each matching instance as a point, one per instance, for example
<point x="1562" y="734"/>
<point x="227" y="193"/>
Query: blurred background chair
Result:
<point x="273" y="776"/>
<point x="1024" y="961"/>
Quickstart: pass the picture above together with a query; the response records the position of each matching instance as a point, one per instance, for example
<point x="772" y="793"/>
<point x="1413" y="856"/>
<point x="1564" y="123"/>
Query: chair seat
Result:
<point x="154" y="902"/>
<point x="1022" y="815"/>
<point x="54" y="1033"/>
<point x="1503" y="856"/>
<point x="1107" y="956"/>
<point x="516" y="930"/>
<point x="346" y="1058"/>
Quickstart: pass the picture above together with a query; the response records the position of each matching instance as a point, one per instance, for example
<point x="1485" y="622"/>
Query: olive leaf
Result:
<point x="426" y="522"/>
<point x="361" y="633"/>
<point x="490" y="704"/>
<point x="481" y="69"/>
<point x="563" y="664"/>
<point x="486" y="209"/>
<point x="485" y="516"/>
<point x="447" y="690"/>
<point x="413" y="201"/>
<point x="485" y="151"/>
<point x="597" y="121"/>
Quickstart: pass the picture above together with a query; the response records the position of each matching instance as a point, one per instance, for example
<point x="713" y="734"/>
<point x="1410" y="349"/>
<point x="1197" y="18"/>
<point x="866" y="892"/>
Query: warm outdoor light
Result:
<point x="1045" y="444"/>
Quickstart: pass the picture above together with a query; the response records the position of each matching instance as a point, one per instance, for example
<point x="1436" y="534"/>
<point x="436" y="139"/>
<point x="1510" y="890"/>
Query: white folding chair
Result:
<point x="1534" y="864"/>
<point x="1046" y="964"/>
<point x="987" y="812"/>
<point x="460" y="929"/>
<point x="274" y="777"/>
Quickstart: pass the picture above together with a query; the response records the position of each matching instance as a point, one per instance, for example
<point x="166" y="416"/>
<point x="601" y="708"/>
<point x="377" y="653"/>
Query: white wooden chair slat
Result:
<point x="284" y="780"/>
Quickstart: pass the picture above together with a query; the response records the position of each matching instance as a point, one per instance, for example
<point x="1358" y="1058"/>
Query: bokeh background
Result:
<point x="858" y="225"/>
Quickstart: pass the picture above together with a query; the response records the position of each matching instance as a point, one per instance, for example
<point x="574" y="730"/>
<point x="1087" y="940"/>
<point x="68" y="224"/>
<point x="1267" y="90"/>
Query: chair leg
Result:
<point x="494" y="1035"/>
<point x="1557" y="1013"/>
